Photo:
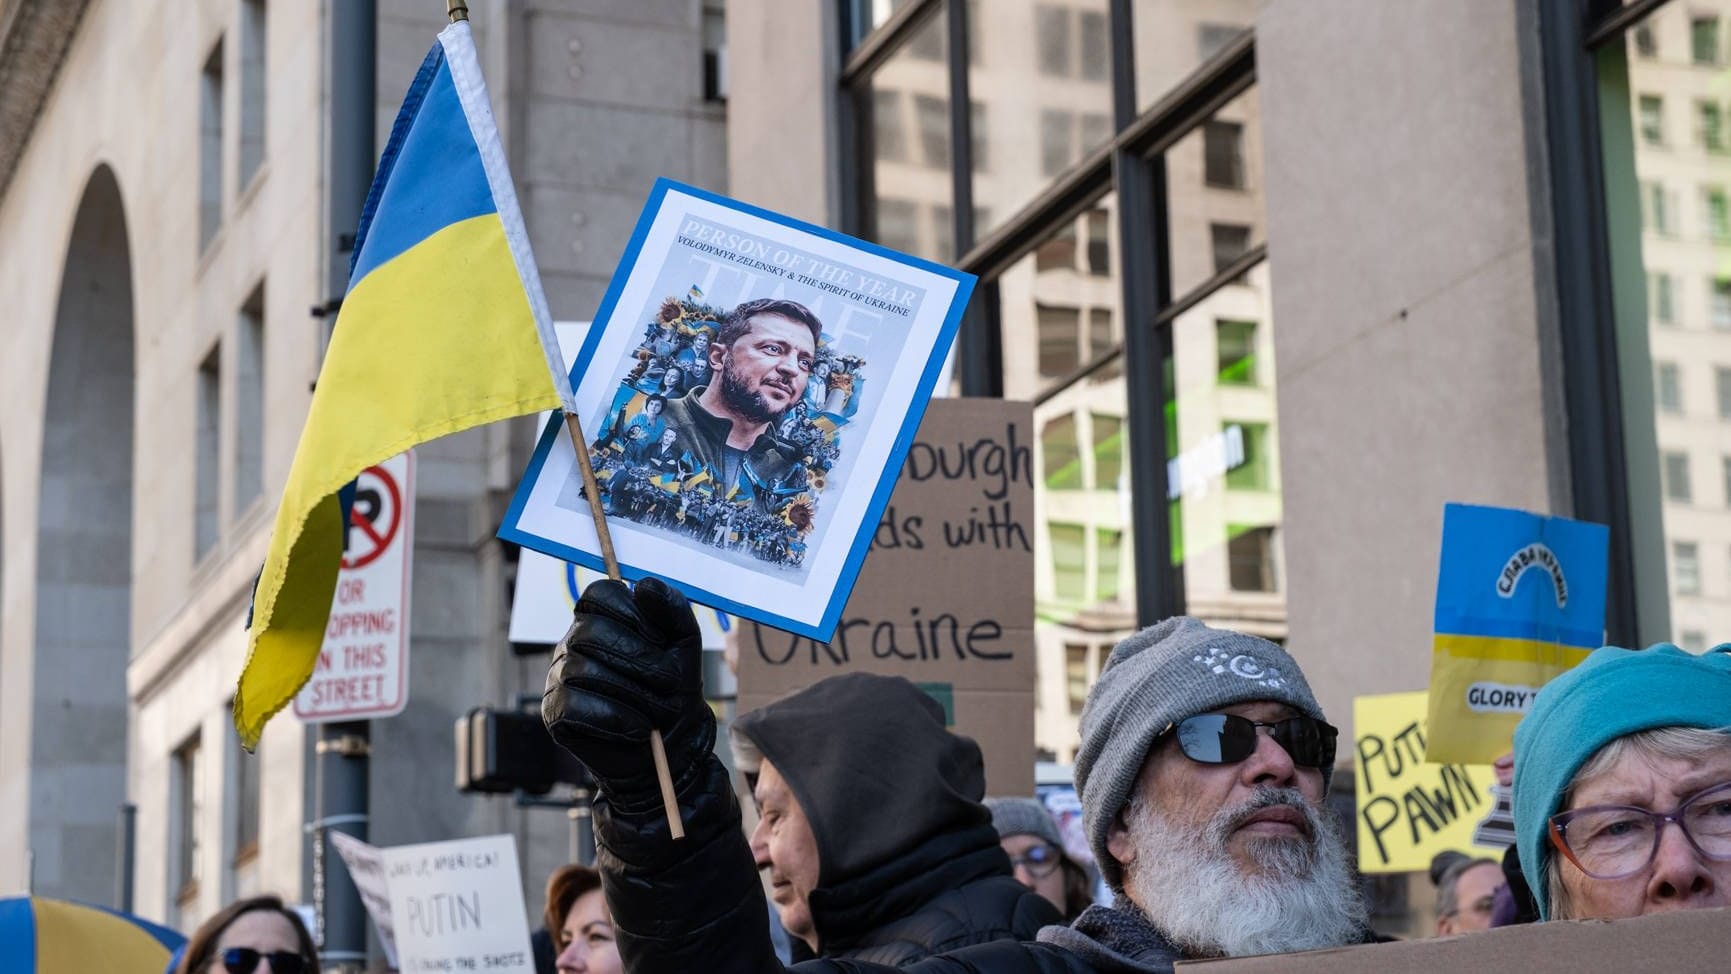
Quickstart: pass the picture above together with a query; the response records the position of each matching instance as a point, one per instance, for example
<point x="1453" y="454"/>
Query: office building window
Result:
<point x="1223" y="154"/>
<point x="1710" y="117"/>
<point x="943" y="227"/>
<point x="1250" y="551"/>
<point x="1166" y="27"/>
<point x="1059" y="333"/>
<point x="1109" y="554"/>
<point x="714" y="51"/>
<point x="889" y="128"/>
<point x="913" y="75"/>
<point x="1102" y="337"/>
<point x="1652" y="120"/>
<point x="1052" y="39"/>
<point x="249" y="401"/>
<point x="1725" y="474"/>
<point x="1060" y="453"/>
<point x="1664" y="298"/>
<point x="1722" y="389"/>
<point x="1645" y="45"/>
<point x="1704" y="40"/>
<point x="1716" y="212"/>
<point x="186" y="837"/>
<point x="1052" y="102"/>
<point x="933" y="114"/>
<point x="244" y="864"/>
<point x="246" y="807"/>
<point x="1693" y="640"/>
<point x="1061" y="302"/>
<point x="1668" y="387"/>
<point x="1099" y="243"/>
<point x="1096" y="51"/>
<point x="1236" y="341"/>
<point x="1656" y="208"/>
<point x="1108" y="452"/>
<point x="899" y="225"/>
<point x="207" y="453"/>
<point x="252" y="88"/>
<point x="1230" y="241"/>
<point x="1058" y="251"/>
<point x="210" y="142"/>
<point x="1676" y="477"/>
<point x="1077" y="679"/>
<point x="1211" y="39"/>
<point x="1686" y="567"/>
<point x="1254" y="469"/>
<point x="1055" y="150"/>
<point x="1069" y="561"/>
<point x="1719" y="302"/>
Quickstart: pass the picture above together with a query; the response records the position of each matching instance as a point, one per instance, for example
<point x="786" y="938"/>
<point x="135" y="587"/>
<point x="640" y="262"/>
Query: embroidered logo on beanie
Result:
<point x="1242" y="665"/>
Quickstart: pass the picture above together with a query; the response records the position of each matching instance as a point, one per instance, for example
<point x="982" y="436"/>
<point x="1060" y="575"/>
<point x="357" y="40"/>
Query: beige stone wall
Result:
<point x="1411" y="324"/>
<point x="594" y="103"/>
<point x="127" y="98"/>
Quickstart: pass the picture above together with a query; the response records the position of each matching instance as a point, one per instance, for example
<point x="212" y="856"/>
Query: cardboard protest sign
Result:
<point x="947" y="597"/>
<point x="1520" y="598"/>
<point x="1410" y="810"/>
<point x="748" y="390"/>
<point x="1687" y="940"/>
<point x="366" y="864"/>
<point x="458" y="906"/>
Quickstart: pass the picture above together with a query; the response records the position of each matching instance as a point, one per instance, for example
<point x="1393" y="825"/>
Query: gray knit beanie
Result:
<point x="1023" y="816"/>
<point x="1174" y="669"/>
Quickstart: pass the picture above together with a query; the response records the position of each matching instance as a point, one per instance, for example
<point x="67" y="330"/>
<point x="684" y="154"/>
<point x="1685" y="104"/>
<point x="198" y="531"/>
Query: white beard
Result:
<point x="1303" y="896"/>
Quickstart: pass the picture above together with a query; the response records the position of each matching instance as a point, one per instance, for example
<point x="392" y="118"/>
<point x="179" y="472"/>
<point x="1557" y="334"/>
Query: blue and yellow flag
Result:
<point x="39" y="935"/>
<point x="1520" y="598"/>
<point x="444" y="327"/>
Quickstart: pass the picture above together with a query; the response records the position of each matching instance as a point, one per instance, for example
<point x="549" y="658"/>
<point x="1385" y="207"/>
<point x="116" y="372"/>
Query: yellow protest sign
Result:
<point x="1409" y="810"/>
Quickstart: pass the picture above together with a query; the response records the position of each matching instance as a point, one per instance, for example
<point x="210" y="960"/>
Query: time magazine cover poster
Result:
<point x="747" y="394"/>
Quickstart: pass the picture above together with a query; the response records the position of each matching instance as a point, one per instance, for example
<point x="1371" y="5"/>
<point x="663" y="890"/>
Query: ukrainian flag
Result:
<point x="444" y="327"/>
<point x="44" y="936"/>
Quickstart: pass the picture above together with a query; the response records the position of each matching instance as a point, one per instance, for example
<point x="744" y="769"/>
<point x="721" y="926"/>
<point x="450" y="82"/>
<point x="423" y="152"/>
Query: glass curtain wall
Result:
<point x="1044" y="114"/>
<point x="1664" y="90"/>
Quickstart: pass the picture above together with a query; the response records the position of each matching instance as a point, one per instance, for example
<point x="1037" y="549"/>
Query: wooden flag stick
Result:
<point x="592" y="490"/>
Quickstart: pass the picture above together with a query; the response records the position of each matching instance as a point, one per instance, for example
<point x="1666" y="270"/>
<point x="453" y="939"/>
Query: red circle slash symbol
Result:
<point x="377" y="513"/>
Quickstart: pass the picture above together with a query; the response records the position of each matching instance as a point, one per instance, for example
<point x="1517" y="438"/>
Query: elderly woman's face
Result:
<point x="1679" y="877"/>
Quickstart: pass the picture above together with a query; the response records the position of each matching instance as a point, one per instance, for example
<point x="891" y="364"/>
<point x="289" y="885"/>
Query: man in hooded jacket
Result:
<point x="871" y="826"/>
<point x="1203" y="764"/>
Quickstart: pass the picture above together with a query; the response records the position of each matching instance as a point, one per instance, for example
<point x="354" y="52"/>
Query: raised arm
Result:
<point x="632" y="661"/>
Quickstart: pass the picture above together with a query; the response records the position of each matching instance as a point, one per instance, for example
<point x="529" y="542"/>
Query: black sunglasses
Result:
<point x="244" y="960"/>
<point x="1229" y="739"/>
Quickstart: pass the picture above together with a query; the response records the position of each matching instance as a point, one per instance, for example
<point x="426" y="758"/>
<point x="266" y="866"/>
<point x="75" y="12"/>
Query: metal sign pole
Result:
<point x="343" y="748"/>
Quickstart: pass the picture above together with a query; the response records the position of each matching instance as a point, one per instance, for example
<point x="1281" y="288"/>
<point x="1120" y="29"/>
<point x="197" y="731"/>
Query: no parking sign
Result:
<point x="363" y="666"/>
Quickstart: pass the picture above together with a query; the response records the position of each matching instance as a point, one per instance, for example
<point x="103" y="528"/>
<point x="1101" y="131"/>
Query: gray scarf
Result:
<point x="1116" y="939"/>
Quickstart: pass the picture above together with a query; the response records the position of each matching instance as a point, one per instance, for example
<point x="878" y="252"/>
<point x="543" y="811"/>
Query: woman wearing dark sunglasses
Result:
<point x="1622" y="793"/>
<point x="251" y="936"/>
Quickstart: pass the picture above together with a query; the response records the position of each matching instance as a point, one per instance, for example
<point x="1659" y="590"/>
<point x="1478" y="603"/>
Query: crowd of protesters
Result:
<point x="1201" y="792"/>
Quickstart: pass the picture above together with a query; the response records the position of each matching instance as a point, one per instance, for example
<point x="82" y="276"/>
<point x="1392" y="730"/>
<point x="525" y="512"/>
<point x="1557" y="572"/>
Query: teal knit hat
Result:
<point x="1613" y="693"/>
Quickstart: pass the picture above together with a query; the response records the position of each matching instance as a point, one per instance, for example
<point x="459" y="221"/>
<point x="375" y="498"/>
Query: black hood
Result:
<point x="872" y="767"/>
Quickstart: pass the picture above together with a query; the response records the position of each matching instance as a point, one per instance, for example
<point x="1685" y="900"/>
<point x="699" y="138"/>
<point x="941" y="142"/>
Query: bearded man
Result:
<point x="1202" y="771"/>
<point x="759" y="362"/>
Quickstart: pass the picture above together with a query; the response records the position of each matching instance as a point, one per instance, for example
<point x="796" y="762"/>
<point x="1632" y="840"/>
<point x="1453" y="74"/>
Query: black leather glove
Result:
<point x="632" y="661"/>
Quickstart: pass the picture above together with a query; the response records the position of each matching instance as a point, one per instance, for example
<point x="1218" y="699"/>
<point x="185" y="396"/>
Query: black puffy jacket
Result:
<point x="909" y="864"/>
<point x="696" y="905"/>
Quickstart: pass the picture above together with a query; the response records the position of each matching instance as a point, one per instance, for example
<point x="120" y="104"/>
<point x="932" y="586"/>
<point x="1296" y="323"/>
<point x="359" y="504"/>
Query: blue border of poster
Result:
<point x="608" y="320"/>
